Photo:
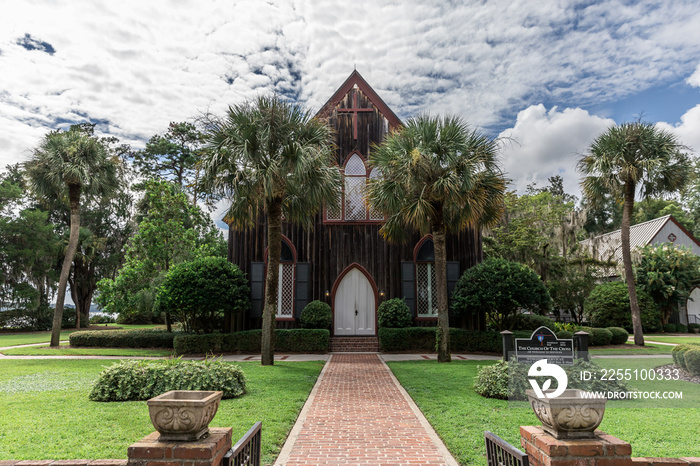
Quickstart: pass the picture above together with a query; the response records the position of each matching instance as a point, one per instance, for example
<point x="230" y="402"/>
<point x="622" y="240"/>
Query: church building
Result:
<point x="343" y="260"/>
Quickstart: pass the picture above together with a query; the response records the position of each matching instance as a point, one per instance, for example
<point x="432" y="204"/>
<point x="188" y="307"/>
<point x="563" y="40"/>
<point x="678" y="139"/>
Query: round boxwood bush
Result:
<point x="316" y="314"/>
<point x="670" y="328"/>
<point x="198" y="293"/>
<point x="692" y="360"/>
<point x="394" y="313"/>
<point x="608" y="305"/>
<point x="619" y="335"/>
<point x="598" y="336"/>
<point x="564" y="335"/>
<point x="681" y="328"/>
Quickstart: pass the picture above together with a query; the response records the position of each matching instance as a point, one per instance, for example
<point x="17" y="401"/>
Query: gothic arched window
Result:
<point x="426" y="292"/>
<point x="352" y="206"/>
<point x="285" y="283"/>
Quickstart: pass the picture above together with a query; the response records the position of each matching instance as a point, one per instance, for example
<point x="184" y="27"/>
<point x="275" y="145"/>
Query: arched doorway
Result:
<point x="354" y="303"/>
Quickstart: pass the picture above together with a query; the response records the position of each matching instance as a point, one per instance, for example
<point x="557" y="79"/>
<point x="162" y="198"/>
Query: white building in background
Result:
<point x="608" y="247"/>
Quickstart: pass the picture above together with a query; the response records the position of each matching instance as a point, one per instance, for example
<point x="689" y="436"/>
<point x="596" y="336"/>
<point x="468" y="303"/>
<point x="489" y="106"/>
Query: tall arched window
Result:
<point x="426" y="295"/>
<point x="285" y="283"/>
<point x="352" y="206"/>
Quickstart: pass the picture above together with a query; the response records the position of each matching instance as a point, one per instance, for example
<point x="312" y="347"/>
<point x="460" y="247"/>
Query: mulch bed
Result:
<point x="684" y="375"/>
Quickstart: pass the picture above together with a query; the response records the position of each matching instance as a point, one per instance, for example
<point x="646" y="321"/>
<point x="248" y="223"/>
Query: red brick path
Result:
<point x="358" y="417"/>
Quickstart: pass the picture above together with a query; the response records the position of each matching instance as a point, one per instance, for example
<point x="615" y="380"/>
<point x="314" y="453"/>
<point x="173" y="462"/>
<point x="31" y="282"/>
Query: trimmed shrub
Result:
<point x="505" y="380"/>
<point x="293" y="340"/>
<point x="692" y="361"/>
<point x="499" y="288"/>
<point x="670" y="328"/>
<point x="394" y="313"/>
<point x="146" y="338"/>
<point x="681" y="328"/>
<point x="198" y="293"/>
<point x="531" y="322"/>
<point x="598" y="336"/>
<point x="679" y="351"/>
<point x="423" y="339"/>
<point x="608" y="305"/>
<point x="102" y="319"/>
<point x="564" y="335"/>
<point x="316" y="314"/>
<point x="141" y="380"/>
<point x="619" y="335"/>
<point x="693" y="328"/>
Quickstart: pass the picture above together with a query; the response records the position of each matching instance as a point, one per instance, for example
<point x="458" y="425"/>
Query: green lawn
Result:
<point x="676" y="339"/>
<point x="445" y="395"/>
<point x="630" y="348"/>
<point x="46" y="413"/>
<point x="70" y="351"/>
<point x="13" y="339"/>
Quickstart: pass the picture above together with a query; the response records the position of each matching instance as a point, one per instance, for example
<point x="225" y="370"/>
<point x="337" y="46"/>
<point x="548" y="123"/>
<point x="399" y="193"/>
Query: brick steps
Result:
<point x="354" y="345"/>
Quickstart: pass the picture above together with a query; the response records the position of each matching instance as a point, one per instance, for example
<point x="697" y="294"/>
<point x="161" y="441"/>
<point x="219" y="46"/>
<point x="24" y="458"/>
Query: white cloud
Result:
<point x="687" y="129"/>
<point x="547" y="143"/>
<point x="135" y="65"/>
<point x="694" y="79"/>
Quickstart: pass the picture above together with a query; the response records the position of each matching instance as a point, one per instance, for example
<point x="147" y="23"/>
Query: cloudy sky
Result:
<point x="551" y="75"/>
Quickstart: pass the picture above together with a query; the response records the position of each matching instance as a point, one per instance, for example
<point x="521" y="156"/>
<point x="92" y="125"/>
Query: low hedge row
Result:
<point x="293" y="340"/>
<point x="687" y="356"/>
<point x="141" y="380"/>
<point x="423" y="339"/>
<point x="146" y="338"/>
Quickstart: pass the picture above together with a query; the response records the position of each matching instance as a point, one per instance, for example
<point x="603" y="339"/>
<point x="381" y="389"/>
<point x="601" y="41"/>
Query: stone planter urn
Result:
<point x="568" y="416"/>
<point x="183" y="415"/>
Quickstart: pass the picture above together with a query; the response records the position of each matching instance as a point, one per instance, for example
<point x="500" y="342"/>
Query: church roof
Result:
<point x="356" y="79"/>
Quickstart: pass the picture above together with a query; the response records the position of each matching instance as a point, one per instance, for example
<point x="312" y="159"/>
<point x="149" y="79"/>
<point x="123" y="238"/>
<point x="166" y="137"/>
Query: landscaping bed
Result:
<point x="445" y="395"/>
<point x="47" y="415"/>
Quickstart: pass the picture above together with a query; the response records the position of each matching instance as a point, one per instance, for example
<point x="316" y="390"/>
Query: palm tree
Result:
<point x="66" y="165"/>
<point x="271" y="159"/>
<point x="628" y="160"/>
<point x="437" y="176"/>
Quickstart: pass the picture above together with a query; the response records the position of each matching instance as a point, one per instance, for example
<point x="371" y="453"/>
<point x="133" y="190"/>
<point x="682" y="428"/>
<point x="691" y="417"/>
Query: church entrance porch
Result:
<point x="354" y="303"/>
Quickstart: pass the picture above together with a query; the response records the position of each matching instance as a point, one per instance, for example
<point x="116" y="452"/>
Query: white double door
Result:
<point x="354" y="305"/>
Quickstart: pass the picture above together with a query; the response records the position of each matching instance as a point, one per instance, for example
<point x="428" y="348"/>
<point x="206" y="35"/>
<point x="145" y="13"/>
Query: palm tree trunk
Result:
<point x="443" y="328"/>
<point x="74" y="197"/>
<point x="274" y="250"/>
<point x="627" y="262"/>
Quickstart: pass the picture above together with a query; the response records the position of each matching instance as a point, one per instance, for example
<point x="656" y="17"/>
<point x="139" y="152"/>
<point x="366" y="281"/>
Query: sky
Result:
<point x="547" y="77"/>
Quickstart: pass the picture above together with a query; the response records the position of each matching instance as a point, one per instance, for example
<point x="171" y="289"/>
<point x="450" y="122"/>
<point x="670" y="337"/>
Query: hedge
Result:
<point x="423" y="339"/>
<point x="293" y="340"/>
<point x="679" y="353"/>
<point x="141" y="380"/>
<point x="619" y="335"/>
<point x="146" y="338"/>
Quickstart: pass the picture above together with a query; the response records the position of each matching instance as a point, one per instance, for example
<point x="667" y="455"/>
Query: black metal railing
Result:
<point x="246" y="452"/>
<point x="501" y="453"/>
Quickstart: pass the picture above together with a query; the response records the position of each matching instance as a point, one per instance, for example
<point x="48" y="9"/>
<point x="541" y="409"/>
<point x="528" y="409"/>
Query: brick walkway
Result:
<point x="359" y="416"/>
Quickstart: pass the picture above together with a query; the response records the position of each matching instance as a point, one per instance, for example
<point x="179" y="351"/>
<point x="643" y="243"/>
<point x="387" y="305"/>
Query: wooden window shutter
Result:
<point x="408" y="285"/>
<point x="452" y="277"/>
<point x="301" y="295"/>
<point x="257" y="278"/>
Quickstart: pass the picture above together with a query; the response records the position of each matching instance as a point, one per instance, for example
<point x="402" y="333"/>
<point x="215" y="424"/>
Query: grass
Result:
<point x="445" y="395"/>
<point x="46" y="413"/>
<point x="630" y="348"/>
<point x="14" y="339"/>
<point x="676" y="340"/>
<point x="79" y="351"/>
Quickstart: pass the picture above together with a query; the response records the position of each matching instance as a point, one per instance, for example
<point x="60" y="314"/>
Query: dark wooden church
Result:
<point x="343" y="260"/>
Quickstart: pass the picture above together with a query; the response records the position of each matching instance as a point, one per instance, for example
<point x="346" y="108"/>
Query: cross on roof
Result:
<point x="355" y="109"/>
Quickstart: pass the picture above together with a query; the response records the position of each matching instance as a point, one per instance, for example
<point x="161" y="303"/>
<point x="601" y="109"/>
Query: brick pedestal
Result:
<point x="603" y="450"/>
<point x="545" y="450"/>
<point x="209" y="451"/>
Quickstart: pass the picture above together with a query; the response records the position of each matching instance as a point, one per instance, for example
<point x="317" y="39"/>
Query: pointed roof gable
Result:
<point x="355" y="79"/>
